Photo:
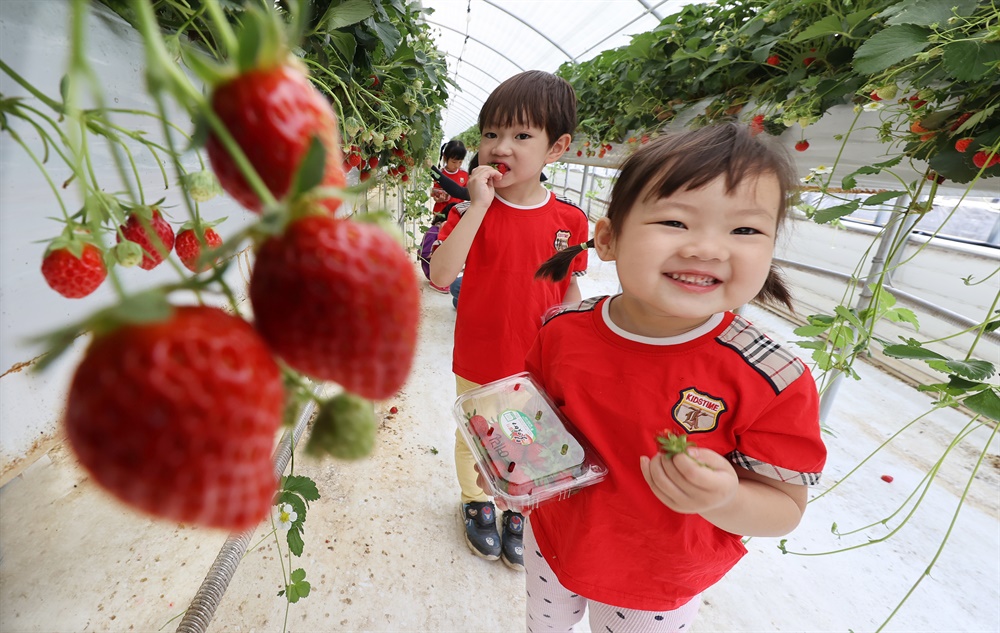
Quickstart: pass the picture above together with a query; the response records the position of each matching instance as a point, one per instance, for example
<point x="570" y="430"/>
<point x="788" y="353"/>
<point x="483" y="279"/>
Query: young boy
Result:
<point x="508" y="228"/>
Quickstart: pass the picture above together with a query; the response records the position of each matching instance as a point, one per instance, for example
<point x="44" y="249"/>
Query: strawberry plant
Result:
<point x="175" y="404"/>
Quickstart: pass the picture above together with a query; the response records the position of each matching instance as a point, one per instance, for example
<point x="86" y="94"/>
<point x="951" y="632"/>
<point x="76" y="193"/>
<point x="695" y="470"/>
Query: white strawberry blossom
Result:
<point x="819" y="170"/>
<point x="284" y="516"/>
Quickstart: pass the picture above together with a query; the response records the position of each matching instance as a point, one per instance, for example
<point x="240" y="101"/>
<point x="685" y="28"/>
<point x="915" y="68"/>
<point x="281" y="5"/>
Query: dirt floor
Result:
<point x="384" y="548"/>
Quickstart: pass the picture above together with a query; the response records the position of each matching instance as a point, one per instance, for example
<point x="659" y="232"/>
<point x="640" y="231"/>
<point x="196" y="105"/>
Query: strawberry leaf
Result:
<point x="971" y="369"/>
<point x="310" y="171"/>
<point x="985" y="403"/>
<point x="912" y="351"/>
<point x="302" y="486"/>
<point x="295" y="542"/>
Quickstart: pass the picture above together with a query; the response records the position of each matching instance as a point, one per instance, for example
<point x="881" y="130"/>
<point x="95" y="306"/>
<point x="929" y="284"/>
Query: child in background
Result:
<point x="452" y="154"/>
<point x="427" y="245"/>
<point x="691" y="226"/>
<point x="508" y="228"/>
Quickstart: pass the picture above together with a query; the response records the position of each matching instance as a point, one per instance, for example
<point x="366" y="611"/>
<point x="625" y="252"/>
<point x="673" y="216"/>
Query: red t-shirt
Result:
<point x="501" y="305"/>
<point x="461" y="177"/>
<point x="725" y="384"/>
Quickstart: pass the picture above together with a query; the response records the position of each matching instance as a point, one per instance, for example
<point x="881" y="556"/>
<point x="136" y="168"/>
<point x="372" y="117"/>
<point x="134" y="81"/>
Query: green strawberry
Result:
<point x="344" y="428"/>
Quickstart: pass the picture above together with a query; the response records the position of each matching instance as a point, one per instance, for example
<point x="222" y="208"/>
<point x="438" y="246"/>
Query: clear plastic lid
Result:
<point x="526" y="449"/>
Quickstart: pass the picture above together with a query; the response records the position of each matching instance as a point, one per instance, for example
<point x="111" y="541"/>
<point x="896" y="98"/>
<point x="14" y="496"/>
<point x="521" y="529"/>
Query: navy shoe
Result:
<point x="481" y="529"/>
<point x="513" y="540"/>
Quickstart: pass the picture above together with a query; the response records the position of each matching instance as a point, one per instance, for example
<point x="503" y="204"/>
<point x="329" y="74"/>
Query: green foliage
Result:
<point x="297" y="491"/>
<point x="791" y="62"/>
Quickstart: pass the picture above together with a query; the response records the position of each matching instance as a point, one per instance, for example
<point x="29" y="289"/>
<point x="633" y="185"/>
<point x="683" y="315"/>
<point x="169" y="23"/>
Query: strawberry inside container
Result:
<point x="525" y="447"/>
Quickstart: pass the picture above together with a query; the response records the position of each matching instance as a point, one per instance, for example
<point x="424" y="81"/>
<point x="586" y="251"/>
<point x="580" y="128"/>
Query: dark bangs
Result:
<point x="534" y="98"/>
<point x="694" y="158"/>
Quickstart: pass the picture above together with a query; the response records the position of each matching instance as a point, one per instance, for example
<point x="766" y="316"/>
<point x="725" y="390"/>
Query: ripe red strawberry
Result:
<point x="962" y="144"/>
<point x="874" y="96"/>
<point x="802" y="146"/>
<point x="773" y="60"/>
<point x="808" y="60"/>
<point x="962" y="118"/>
<point x="981" y="159"/>
<point x="177" y="418"/>
<point x="71" y="276"/>
<point x="273" y="114"/>
<point x="338" y="300"/>
<point x="479" y="425"/>
<point x="500" y="167"/>
<point x="188" y="248"/>
<point x="153" y="251"/>
<point x="393" y="410"/>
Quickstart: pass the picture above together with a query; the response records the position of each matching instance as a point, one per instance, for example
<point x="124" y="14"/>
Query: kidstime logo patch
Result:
<point x="697" y="411"/>
<point x="562" y="240"/>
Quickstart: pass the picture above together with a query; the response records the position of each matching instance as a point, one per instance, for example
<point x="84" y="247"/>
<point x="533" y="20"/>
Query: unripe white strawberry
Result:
<point x="202" y="185"/>
<point x="128" y="253"/>
<point x="344" y="428"/>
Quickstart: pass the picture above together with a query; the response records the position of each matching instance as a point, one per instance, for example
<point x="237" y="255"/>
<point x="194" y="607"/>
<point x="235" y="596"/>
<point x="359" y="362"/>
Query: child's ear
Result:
<point x="604" y="241"/>
<point x="558" y="148"/>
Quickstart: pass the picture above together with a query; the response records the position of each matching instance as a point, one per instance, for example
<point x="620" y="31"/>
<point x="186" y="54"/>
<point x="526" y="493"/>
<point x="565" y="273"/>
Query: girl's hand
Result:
<point x="439" y="195"/>
<point x="686" y="486"/>
<point x="480" y="185"/>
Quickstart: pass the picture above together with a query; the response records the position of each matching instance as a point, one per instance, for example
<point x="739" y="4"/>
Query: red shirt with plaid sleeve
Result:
<point x="501" y="304"/>
<point x="726" y="385"/>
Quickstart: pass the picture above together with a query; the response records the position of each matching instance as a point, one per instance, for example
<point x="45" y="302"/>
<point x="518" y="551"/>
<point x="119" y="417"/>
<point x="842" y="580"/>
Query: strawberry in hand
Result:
<point x="177" y="418"/>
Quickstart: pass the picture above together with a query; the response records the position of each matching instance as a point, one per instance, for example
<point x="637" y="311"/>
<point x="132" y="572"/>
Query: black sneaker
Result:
<point x="513" y="540"/>
<point x="481" y="529"/>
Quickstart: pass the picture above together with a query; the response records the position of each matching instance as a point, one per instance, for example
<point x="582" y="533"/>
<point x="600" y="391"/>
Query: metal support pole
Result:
<point x="892" y="228"/>
<point x="583" y="184"/>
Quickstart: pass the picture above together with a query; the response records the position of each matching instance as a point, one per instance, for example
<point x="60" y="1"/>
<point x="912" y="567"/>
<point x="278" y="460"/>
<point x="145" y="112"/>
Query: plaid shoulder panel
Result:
<point x="572" y="204"/>
<point x="776" y="365"/>
<point x="586" y="305"/>
<point x="774" y="472"/>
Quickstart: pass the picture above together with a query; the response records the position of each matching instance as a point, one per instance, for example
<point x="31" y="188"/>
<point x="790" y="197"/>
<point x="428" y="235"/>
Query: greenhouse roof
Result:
<point x="487" y="41"/>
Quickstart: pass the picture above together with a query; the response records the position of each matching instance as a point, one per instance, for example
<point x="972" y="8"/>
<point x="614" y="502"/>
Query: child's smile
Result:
<point x="695" y="253"/>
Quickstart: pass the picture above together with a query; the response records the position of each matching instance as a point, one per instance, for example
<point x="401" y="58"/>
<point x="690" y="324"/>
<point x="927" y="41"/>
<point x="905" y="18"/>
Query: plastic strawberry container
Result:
<point x="526" y="449"/>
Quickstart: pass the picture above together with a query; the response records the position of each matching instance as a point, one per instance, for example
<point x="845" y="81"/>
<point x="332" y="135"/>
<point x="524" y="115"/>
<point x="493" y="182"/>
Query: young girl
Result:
<point x="691" y="226"/>
<point x="452" y="154"/>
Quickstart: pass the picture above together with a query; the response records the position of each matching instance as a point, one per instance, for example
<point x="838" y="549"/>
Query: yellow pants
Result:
<point x="465" y="462"/>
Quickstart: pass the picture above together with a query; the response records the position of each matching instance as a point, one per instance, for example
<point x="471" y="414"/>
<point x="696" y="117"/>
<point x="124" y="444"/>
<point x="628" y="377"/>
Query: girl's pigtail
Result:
<point x="557" y="266"/>
<point x="775" y="291"/>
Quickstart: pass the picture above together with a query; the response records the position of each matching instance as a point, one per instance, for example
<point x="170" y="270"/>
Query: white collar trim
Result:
<point x="534" y="206"/>
<point x="699" y="331"/>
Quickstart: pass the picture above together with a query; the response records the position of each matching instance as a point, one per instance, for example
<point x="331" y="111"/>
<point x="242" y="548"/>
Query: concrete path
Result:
<point x="384" y="548"/>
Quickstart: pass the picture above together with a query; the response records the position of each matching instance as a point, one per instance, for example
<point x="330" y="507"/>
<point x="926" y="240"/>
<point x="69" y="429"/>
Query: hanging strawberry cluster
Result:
<point x="174" y="408"/>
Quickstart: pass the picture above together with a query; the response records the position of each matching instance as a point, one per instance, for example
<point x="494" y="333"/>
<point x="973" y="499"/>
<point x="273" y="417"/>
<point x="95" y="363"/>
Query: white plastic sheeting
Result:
<point x="487" y="41"/>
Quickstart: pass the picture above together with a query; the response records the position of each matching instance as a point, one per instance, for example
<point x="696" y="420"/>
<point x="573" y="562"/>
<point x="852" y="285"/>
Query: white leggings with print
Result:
<point x="552" y="607"/>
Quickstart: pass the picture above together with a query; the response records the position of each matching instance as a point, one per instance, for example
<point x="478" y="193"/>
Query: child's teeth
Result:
<point x="693" y="279"/>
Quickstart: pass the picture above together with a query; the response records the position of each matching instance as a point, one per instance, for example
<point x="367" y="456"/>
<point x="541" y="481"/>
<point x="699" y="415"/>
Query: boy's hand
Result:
<point x="481" y="181"/>
<point x="690" y="483"/>
<point x="439" y="195"/>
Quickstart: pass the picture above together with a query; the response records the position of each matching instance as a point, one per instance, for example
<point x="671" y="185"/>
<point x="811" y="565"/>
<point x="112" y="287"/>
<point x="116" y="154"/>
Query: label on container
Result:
<point x="517" y="426"/>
